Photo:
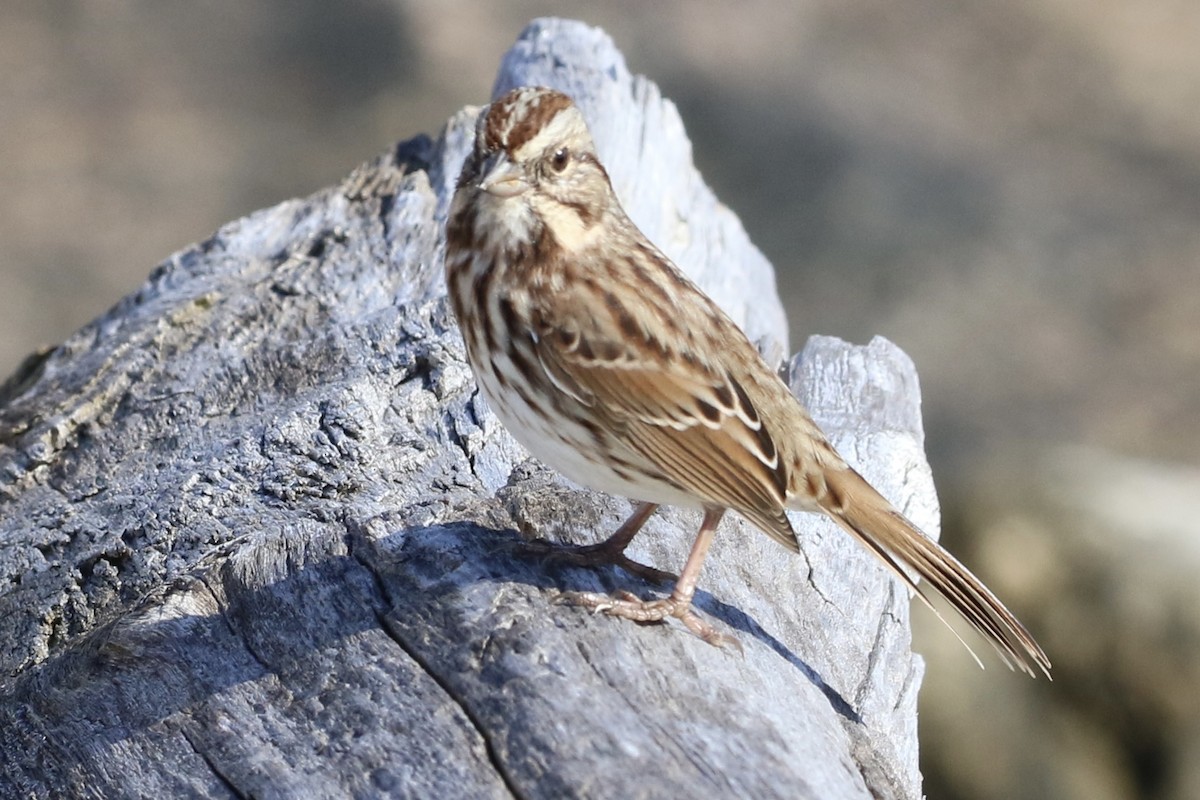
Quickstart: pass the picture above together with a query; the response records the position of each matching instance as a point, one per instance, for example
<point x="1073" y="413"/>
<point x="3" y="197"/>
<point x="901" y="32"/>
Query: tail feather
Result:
<point x="877" y="525"/>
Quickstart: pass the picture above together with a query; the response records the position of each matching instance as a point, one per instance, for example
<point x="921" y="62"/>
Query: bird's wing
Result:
<point x="685" y="409"/>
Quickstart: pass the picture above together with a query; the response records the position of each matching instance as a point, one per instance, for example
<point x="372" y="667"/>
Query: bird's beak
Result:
<point x="501" y="177"/>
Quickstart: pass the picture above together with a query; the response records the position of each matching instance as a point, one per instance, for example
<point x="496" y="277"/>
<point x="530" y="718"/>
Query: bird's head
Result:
<point x="533" y="172"/>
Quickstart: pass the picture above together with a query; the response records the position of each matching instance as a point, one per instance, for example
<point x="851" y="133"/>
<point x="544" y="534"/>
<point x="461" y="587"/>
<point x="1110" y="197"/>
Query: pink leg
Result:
<point x="678" y="605"/>
<point x="610" y="551"/>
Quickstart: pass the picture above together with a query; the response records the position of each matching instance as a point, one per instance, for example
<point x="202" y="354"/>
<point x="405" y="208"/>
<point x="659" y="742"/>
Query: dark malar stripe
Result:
<point x="582" y="210"/>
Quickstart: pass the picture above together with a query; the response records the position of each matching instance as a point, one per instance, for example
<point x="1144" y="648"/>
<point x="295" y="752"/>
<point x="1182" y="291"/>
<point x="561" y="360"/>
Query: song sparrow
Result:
<point x="608" y="364"/>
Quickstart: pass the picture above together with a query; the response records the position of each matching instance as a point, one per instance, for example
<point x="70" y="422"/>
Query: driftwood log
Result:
<point x="259" y="536"/>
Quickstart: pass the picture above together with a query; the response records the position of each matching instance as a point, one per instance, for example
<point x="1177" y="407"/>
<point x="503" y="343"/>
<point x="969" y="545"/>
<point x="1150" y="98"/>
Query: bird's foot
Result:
<point x="592" y="555"/>
<point x="628" y="606"/>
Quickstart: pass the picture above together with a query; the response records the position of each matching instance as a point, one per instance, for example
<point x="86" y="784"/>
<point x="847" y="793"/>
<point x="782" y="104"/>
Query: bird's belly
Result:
<point x="548" y="427"/>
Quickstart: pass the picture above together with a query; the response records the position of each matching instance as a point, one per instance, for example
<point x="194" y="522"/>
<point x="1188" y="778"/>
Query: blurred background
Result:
<point x="1009" y="189"/>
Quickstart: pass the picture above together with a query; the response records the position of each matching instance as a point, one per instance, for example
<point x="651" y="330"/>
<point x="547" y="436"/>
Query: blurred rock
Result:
<point x="1099" y="554"/>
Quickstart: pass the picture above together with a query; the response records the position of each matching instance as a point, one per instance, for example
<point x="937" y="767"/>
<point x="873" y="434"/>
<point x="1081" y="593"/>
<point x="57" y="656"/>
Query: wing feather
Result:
<point x="689" y="417"/>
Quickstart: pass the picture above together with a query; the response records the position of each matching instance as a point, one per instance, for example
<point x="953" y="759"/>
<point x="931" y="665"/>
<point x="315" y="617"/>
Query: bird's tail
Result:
<point x="856" y="505"/>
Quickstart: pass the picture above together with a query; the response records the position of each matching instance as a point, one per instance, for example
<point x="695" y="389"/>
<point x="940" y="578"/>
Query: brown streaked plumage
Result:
<point x="607" y="363"/>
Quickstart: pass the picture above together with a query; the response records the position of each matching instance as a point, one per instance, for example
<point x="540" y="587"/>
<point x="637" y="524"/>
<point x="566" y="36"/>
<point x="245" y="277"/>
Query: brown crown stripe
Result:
<point x="518" y="116"/>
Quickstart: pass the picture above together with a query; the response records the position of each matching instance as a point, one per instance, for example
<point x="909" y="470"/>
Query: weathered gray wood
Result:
<point x="257" y="530"/>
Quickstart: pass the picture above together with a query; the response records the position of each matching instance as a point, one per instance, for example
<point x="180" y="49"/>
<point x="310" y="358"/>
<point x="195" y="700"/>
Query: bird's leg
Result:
<point x="610" y="551"/>
<point x="679" y="604"/>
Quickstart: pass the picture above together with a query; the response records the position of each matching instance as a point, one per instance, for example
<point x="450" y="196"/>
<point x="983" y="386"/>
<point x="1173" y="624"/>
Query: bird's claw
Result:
<point x="593" y="555"/>
<point x="627" y="605"/>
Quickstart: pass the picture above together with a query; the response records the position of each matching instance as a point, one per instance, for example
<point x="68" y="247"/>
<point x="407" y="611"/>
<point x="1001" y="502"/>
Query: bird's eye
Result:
<point x="558" y="162"/>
